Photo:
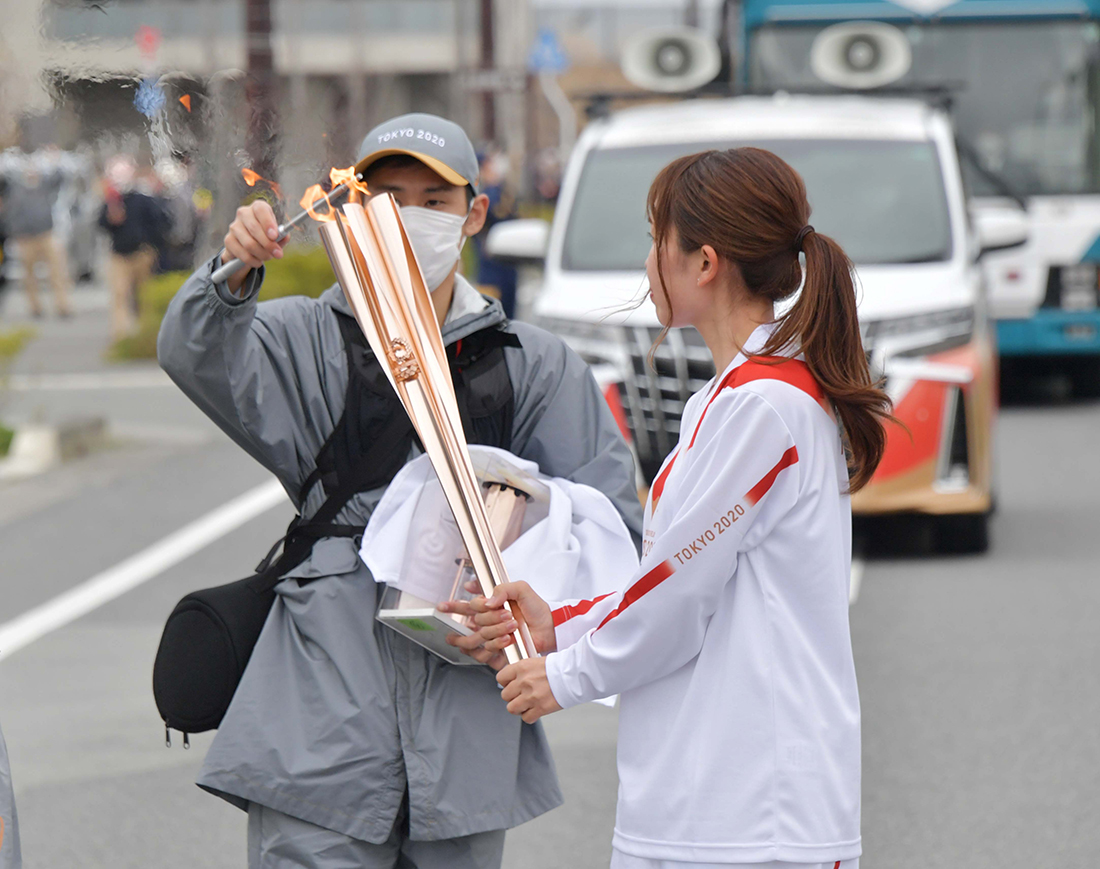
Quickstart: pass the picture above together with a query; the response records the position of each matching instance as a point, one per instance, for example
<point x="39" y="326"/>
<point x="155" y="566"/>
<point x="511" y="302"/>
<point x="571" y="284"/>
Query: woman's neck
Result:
<point x="727" y="331"/>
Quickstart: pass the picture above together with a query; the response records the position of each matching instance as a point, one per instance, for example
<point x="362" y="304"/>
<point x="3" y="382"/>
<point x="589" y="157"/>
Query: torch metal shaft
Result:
<point x="223" y="273"/>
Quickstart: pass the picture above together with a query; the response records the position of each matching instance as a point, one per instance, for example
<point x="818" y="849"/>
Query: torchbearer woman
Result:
<point x="739" y="733"/>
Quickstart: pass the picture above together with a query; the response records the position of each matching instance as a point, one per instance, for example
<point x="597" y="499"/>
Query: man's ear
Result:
<point x="479" y="210"/>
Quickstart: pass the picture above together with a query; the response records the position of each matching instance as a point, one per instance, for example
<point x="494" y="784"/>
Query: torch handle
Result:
<point x="224" y="272"/>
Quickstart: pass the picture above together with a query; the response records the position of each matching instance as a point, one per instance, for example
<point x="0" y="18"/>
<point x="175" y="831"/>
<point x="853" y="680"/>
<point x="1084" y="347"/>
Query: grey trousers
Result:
<point x="279" y="841"/>
<point x="9" y="823"/>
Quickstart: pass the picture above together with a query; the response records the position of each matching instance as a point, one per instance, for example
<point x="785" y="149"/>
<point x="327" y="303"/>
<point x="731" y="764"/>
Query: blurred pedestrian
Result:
<point x="548" y="175"/>
<point x="28" y="214"/>
<point x="3" y="236"/>
<point x="136" y="225"/>
<point x="177" y="197"/>
<point x="10" y="857"/>
<point x="502" y="206"/>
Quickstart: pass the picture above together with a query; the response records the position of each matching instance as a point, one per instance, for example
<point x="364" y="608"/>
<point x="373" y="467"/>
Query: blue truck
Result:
<point x="1022" y="78"/>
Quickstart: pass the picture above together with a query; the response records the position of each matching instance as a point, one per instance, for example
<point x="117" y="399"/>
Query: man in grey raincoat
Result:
<point x="348" y="744"/>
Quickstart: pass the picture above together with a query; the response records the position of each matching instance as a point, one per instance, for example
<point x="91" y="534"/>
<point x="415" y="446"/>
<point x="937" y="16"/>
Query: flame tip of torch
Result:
<point x="351" y="178"/>
<point x="315" y="201"/>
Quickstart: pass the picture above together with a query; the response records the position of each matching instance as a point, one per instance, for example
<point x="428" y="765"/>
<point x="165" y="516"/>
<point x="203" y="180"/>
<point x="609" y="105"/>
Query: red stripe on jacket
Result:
<point x="658" y="487"/>
<point x="664" y="570"/>
<point x="790" y="371"/>
<point x="563" y="614"/>
<point x="644" y="585"/>
<point x="758" y="491"/>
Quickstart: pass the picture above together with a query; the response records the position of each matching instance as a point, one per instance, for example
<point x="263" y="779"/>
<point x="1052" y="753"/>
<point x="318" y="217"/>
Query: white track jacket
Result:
<point x="739" y="727"/>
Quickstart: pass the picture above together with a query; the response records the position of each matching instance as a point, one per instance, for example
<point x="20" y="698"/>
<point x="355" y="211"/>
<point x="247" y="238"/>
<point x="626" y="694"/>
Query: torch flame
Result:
<point x="347" y="176"/>
<point x="320" y="210"/>
<point x="313" y="201"/>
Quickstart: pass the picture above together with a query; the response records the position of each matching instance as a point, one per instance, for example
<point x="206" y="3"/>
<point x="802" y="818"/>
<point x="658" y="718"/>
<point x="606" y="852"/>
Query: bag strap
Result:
<point x="300" y="535"/>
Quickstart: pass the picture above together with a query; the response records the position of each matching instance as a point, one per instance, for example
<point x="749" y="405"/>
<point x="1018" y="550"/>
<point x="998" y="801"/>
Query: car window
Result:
<point x="883" y="201"/>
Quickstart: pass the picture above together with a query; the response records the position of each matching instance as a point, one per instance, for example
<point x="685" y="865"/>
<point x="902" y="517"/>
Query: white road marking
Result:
<point x="90" y="380"/>
<point x="853" y="585"/>
<point x="137" y="569"/>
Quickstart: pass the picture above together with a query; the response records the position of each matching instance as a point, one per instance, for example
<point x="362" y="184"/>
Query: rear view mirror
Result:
<point x="519" y="242"/>
<point x="999" y="227"/>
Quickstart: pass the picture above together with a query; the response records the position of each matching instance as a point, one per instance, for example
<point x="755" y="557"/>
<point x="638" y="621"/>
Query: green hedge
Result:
<point x="302" y="271"/>
<point x="12" y="342"/>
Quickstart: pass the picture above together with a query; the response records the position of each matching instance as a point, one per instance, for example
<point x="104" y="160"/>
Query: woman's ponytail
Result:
<point x="751" y="207"/>
<point x="823" y="324"/>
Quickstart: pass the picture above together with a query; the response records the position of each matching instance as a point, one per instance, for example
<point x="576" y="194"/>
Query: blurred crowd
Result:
<point x="68" y="217"/>
<point x="63" y="219"/>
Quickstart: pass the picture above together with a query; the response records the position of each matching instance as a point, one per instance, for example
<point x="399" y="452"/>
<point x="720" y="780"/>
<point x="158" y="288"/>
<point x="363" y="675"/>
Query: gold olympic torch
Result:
<point x="375" y="264"/>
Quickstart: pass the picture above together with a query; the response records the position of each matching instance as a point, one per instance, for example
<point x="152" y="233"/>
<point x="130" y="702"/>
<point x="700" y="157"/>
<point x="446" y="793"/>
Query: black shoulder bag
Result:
<point x="210" y="634"/>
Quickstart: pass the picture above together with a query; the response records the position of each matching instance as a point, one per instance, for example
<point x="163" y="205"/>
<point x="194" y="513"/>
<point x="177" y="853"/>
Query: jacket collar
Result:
<point x="453" y="329"/>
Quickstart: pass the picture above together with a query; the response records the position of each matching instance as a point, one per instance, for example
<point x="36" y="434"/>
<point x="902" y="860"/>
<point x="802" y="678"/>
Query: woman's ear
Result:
<point x="708" y="265"/>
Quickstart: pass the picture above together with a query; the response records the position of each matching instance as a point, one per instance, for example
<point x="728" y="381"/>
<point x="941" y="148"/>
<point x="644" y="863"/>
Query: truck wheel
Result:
<point x="963" y="534"/>
<point x="1086" y="378"/>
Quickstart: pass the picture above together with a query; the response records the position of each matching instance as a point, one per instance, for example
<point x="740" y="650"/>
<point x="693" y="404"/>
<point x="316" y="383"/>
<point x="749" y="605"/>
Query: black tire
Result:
<point x="1086" y="378"/>
<point x="963" y="534"/>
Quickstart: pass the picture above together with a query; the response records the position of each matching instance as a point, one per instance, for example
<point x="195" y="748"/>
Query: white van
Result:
<point x="882" y="178"/>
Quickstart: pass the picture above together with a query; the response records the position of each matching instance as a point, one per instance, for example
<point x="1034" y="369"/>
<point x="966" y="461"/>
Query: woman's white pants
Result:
<point x="619" y="860"/>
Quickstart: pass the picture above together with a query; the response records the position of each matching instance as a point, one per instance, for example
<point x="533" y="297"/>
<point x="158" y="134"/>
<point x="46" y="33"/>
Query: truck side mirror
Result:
<point x="999" y="227"/>
<point x="519" y="242"/>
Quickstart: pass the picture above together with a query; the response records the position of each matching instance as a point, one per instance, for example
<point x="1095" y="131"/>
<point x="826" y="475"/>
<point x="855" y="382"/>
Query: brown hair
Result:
<point x="751" y="207"/>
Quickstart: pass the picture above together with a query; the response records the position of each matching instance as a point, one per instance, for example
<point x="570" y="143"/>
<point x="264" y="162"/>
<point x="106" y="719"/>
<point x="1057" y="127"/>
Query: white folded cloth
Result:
<point x="574" y="543"/>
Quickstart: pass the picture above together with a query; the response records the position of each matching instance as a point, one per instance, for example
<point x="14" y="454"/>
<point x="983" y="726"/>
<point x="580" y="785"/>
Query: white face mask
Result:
<point x="436" y="238"/>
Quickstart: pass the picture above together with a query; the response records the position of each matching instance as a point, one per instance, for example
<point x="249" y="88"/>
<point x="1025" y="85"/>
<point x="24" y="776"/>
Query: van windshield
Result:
<point x="883" y="201"/>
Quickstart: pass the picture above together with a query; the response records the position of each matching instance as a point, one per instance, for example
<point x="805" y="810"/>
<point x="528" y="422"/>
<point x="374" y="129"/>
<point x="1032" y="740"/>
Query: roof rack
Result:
<point x="597" y="104"/>
<point x="939" y="94"/>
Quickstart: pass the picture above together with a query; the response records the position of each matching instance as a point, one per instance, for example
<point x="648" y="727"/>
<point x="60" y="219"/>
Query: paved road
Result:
<point x="978" y="676"/>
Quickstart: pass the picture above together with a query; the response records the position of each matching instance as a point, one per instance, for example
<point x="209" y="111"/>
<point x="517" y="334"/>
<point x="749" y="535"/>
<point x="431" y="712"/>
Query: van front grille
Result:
<point x="654" y="397"/>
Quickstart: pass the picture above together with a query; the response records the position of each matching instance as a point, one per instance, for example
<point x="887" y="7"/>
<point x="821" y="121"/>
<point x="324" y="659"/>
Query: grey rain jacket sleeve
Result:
<point x="338" y="717"/>
<point x="9" y="822"/>
<point x="260" y="377"/>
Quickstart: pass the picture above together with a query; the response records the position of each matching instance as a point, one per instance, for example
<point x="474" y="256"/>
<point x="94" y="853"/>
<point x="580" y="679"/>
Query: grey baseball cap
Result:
<point x="439" y="144"/>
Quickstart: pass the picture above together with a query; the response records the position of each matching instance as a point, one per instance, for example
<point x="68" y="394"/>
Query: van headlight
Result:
<point x="919" y="334"/>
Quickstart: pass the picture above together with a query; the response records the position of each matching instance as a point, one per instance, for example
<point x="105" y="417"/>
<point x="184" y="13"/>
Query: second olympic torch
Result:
<point x="377" y="269"/>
